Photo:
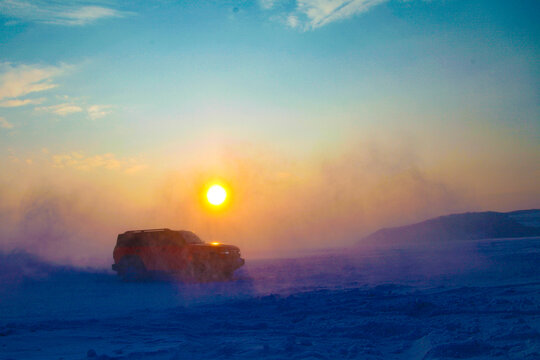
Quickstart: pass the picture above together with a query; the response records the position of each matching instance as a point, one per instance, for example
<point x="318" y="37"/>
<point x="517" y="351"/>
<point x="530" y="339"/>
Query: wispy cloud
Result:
<point x="107" y="161"/>
<point x="61" y="109"/>
<point x="292" y="21"/>
<point x="20" y="80"/>
<point x="98" y="111"/>
<point x="4" y="124"/>
<point x="19" y="102"/>
<point x="267" y="4"/>
<point x="94" y="111"/>
<point x="67" y="13"/>
<point x="313" y="14"/>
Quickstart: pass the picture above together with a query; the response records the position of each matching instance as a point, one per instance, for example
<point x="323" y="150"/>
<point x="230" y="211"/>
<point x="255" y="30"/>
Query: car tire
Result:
<point x="200" y="271"/>
<point x="131" y="268"/>
<point x="227" y="275"/>
<point x="194" y="271"/>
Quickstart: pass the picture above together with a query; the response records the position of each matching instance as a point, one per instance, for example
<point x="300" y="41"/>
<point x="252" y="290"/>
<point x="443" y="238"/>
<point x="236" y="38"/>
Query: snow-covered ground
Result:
<point x="470" y="299"/>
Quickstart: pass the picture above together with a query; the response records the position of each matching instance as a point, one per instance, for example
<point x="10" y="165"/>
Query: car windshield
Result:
<point x="191" y="238"/>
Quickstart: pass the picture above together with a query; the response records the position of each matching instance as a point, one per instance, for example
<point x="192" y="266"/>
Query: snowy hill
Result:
<point x="467" y="226"/>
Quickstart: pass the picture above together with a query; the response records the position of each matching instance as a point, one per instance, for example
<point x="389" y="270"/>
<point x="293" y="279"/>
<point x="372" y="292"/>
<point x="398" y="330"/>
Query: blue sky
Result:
<point x="152" y="84"/>
<point x="171" y="60"/>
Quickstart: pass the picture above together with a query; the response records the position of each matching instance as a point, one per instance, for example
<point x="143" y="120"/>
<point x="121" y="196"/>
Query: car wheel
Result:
<point x="194" y="271"/>
<point x="200" y="271"/>
<point x="131" y="268"/>
<point x="227" y="275"/>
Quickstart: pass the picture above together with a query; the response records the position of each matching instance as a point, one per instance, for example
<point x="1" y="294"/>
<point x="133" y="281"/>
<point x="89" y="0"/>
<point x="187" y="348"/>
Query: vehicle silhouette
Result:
<point x="145" y="254"/>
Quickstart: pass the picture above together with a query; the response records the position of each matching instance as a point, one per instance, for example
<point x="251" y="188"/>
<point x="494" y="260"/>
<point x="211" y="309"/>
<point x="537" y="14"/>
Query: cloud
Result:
<point x="135" y="168"/>
<point x="20" y="80"/>
<point x="267" y="4"/>
<point x="19" y="102"/>
<point x="313" y="14"/>
<point x="109" y="161"/>
<point x="86" y="14"/>
<point x="292" y="21"/>
<point x="61" y="109"/>
<point x="67" y="13"/>
<point x="98" y="111"/>
<point x="64" y="109"/>
<point x="4" y="124"/>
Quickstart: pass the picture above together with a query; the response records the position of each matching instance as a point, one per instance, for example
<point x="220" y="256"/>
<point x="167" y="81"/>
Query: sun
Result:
<point x="216" y="195"/>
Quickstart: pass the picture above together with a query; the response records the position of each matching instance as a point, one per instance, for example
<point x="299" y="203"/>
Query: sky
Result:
<point x="325" y="119"/>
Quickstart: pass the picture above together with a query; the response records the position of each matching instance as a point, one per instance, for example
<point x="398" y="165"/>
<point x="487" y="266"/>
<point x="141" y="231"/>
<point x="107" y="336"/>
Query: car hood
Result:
<point x="219" y="246"/>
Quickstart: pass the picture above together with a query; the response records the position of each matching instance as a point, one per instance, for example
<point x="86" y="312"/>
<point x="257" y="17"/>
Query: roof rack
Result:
<point x="148" y="230"/>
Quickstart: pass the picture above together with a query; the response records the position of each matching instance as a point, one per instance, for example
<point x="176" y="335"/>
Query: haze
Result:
<point x="326" y="119"/>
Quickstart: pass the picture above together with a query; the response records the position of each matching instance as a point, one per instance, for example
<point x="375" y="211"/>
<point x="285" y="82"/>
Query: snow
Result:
<point x="469" y="299"/>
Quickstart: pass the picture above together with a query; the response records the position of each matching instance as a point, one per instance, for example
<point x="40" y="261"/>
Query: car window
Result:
<point x="177" y="239"/>
<point x="191" y="238"/>
<point x="130" y="240"/>
<point x="158" y="238"/>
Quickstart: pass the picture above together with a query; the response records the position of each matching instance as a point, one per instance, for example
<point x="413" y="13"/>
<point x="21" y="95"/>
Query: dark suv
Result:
<point x="140" y="254"/>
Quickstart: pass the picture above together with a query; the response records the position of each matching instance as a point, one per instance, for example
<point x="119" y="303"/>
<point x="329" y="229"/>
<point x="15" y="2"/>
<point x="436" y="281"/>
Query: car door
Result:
<point x="173" y="253"/>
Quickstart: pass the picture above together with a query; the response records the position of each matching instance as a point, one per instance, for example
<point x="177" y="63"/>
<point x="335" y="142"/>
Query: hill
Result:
<point x="466" y="226"/>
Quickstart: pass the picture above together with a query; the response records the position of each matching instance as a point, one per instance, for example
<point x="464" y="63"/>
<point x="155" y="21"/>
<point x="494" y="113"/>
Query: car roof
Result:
<point x="152" y="236"/>
<point x="147" y="230"/>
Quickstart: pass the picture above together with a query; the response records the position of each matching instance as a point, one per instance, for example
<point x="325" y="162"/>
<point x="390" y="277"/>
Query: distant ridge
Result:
<point x="465" y="226"/>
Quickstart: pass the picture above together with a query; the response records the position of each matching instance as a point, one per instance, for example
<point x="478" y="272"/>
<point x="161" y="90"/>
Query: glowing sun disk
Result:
<point x="216" y="195"/>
